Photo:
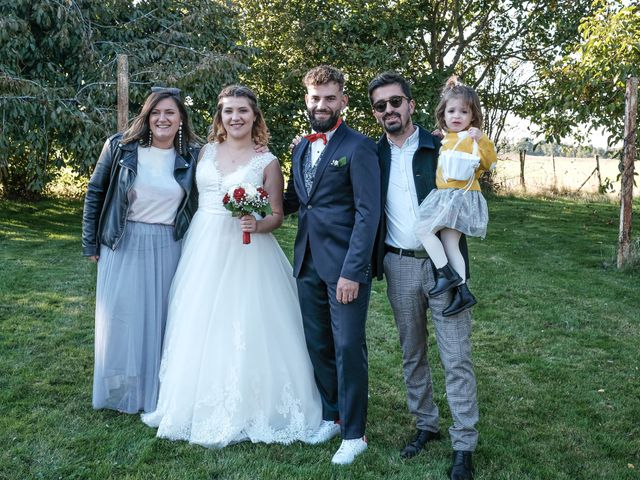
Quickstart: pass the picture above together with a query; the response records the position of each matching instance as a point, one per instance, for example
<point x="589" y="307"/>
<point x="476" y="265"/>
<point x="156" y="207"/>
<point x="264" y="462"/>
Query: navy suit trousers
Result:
<point x="335" y="336"/>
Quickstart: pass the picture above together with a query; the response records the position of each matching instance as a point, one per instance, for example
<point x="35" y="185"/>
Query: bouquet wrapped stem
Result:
<point x="247" y="199"/>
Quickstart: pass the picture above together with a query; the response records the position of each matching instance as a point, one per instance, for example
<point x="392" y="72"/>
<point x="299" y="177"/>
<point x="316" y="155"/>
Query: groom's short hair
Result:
<point x="323" y="74"/>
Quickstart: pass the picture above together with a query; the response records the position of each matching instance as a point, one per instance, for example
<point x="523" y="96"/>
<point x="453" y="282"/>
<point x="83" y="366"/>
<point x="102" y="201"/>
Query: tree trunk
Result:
<point x="4" y="163"/>
<point x="555" y="177"/>
<point x="523" y="154"/>
<point x="123" y="92"/>
<point x="626" y="181"/>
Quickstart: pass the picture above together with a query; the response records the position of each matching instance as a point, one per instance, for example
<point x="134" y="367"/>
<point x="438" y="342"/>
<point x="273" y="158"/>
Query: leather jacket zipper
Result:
<point x="126" y="210"/>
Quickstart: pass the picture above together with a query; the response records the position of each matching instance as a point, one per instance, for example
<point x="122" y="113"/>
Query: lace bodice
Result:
<point x="212" y="184"/>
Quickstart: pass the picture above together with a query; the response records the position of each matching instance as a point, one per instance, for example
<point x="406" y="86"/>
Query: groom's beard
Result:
<point x="323" y="125"/>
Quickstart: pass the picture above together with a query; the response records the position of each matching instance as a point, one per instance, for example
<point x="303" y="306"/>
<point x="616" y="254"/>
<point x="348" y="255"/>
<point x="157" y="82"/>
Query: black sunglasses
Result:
<point x="169" y="90"/>
<point x="395" y="102"/>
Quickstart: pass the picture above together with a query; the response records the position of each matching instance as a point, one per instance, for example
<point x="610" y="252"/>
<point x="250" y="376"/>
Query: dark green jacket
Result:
<point x="425" y="162"/>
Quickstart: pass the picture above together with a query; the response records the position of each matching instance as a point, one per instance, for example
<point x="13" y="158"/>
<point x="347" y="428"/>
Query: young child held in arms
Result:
<point x="457" y="205"/>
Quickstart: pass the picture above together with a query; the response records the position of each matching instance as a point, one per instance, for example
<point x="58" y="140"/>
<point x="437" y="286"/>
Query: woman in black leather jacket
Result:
<point x="138" y="205"/>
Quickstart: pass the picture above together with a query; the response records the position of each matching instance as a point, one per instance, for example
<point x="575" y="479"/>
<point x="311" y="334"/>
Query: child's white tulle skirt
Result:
<point x="465" y="211"/>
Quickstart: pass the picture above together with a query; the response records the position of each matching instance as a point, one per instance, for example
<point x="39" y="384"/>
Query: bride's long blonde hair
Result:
<point x="259" y="132"/>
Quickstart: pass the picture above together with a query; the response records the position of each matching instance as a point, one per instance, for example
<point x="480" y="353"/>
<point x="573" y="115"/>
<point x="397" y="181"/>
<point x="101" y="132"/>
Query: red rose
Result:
<point x="238" y="194"/>
<point x="263" y="193"/>
<point x="226" y="198"/>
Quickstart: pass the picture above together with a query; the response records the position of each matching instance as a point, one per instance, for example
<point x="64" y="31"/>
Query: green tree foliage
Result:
<point x="58" y="74"/>
<point x="491" y="44"/>
<point x="290" y="37"/>
<point x="587" y="85"/>
<point x="57" y="62"/>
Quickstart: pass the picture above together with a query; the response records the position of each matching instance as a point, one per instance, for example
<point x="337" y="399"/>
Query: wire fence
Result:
<point x="563" y="174"/>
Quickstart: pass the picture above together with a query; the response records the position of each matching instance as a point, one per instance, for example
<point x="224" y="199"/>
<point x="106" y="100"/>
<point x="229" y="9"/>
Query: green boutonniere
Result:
<point x="341" y="162"/>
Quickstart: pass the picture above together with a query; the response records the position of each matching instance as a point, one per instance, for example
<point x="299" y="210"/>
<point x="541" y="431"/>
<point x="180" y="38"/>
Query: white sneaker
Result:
<point x="349" y="450"/>
<point x="326" y="431"/>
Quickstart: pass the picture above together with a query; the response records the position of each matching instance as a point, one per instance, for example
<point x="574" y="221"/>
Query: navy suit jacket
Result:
<point x="338" y="218"/>
<point x="425" y="162"/>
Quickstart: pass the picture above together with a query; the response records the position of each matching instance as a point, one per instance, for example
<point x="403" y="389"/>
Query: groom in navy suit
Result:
<point x="335" y="188"/>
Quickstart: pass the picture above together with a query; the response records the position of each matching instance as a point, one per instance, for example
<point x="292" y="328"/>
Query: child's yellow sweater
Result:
<point x="486" y="151"/>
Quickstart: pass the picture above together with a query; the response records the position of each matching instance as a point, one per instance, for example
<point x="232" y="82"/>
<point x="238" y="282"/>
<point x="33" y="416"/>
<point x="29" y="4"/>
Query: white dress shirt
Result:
<point x="401" y="207"/>
<point x="318" y="147"/>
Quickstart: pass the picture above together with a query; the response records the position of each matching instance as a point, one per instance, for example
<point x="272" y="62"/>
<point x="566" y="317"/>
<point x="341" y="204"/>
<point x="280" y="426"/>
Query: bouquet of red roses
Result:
<point x="247" y="199"/>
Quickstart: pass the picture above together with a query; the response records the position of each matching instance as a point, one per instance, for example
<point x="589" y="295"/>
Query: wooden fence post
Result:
<point x="599" y="174"/>
<point x="626" y="180"/>
<point x="523" y="154"/>
<point x="123" y="92"/>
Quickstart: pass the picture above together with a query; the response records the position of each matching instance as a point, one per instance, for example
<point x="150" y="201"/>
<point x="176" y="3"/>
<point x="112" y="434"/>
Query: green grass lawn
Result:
<point x="556" y="351"/>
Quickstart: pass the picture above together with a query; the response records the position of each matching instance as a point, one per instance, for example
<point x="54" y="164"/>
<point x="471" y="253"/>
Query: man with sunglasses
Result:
<point x="408" y="160"/>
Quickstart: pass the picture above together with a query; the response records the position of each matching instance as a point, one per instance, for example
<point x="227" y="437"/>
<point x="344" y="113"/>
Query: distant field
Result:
<point x="570" y="173"/>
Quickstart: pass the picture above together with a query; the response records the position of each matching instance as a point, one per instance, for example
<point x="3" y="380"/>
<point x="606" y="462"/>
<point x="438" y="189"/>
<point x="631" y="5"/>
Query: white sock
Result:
<point x="434" y="248"/>
<point x="451" y="242"/>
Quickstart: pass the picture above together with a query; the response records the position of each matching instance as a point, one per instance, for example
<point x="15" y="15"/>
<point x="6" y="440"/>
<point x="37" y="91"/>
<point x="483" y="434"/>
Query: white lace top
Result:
<point x="212" y="184"/>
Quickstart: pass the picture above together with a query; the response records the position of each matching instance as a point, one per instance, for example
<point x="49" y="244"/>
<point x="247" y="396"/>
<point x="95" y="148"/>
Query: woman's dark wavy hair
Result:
<point x="139" y="129"/>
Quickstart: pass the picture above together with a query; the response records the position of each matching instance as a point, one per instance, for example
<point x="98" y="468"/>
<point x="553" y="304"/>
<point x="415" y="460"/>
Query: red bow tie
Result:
<point x="316" y="136"/>
<point x="321" y="135"/>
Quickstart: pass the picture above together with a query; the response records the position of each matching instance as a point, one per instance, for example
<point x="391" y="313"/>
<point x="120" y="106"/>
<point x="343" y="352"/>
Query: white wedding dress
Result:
<point x="235" y="365"/>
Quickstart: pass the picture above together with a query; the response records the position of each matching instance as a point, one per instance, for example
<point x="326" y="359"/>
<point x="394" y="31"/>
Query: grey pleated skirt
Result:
<point x="464" y="211"/>
<point x="131" y="313"/>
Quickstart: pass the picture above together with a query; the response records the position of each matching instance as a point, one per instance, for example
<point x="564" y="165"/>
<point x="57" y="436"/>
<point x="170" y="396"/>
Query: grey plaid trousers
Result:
<point x="408" y="281"/>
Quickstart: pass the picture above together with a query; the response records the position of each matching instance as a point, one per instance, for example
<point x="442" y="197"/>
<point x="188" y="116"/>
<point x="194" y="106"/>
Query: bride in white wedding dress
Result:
<point x="235" y="365"/>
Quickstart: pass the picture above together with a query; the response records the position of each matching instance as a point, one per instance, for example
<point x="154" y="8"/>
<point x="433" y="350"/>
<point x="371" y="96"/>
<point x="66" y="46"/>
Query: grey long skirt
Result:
<point x="131" y="313"/>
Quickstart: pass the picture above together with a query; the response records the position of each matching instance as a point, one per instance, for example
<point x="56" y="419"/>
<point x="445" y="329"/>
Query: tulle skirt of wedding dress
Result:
<point x="235" y="365"/>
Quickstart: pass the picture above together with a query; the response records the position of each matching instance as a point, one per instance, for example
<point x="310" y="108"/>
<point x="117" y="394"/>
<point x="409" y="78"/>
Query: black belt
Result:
<point x="407" y="253"/>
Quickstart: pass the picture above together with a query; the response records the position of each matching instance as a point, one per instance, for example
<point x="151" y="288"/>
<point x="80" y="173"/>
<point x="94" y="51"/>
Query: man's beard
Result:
<point x="323" y="125"/>
<point x="395" y="127"/>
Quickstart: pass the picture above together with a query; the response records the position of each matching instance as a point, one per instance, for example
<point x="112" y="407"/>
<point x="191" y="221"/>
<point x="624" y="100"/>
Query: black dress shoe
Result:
<point x="462" y="299"/>
<point x="417" y="444"/>
<point x="461" y="467"/>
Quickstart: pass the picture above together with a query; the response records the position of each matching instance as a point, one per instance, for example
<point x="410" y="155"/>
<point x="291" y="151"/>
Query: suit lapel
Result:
<point x="385" y="165"/>
<point x="328" y="155"/>
<point x="298" y="169"/>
